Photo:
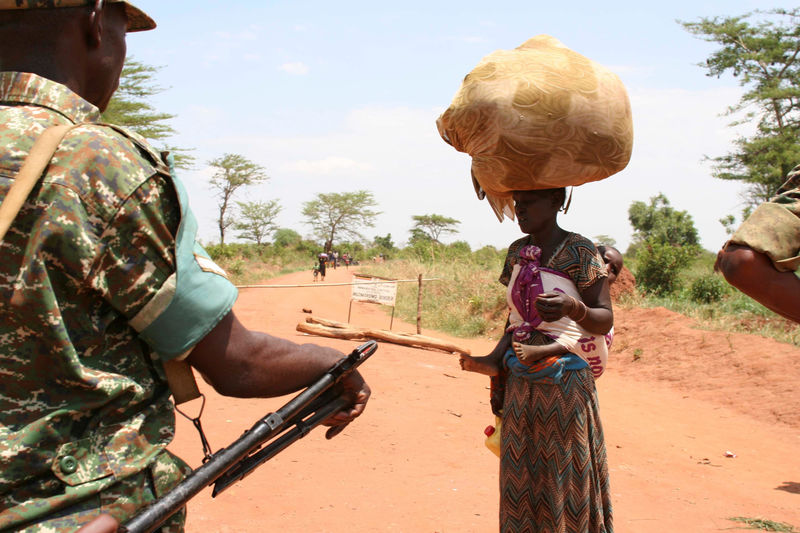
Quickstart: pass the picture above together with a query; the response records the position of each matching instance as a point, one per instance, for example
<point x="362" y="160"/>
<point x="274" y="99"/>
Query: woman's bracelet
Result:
<point x="577" y="303"/>
<point x="585" y="312"/>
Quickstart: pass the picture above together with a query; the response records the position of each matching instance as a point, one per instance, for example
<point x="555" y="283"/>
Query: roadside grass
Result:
<point x="248" y="264"/>
<point x="466" y="299"/>
<point x="762" y="524"/>
<point x="735" y="312"/>
<point x="732" y="311"/>
<point x="244" y="271"/>
<point x="463" y="300"/>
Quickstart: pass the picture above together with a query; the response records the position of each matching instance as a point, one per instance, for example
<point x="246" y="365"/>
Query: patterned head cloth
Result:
<point x="138" y="20"/>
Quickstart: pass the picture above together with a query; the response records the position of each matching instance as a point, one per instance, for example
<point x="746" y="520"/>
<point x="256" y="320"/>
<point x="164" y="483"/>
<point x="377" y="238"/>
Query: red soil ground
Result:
<point x="676" y="402"/>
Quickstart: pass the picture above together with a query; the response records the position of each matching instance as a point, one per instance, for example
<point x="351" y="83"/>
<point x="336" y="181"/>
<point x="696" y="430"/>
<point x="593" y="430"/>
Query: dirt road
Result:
<point x="674" y="402"/>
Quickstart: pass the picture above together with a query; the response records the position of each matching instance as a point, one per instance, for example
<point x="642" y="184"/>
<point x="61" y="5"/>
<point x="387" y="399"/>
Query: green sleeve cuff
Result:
<point x="202" y="298"/>
<point x="193" y="301"/>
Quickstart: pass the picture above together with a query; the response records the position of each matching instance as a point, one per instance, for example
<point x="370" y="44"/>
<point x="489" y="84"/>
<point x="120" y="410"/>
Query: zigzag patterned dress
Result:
<point x="553" y="470"/>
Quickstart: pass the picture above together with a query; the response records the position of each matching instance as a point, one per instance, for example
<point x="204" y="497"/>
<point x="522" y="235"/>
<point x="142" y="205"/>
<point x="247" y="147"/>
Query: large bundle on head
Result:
<point x="538" y="117"/>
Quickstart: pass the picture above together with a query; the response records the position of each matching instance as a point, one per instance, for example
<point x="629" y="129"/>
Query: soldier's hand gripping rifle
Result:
<point x="291" y="422"/>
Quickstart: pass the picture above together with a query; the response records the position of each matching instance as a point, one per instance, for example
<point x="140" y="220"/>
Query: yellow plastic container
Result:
<point x="493" y="436"/>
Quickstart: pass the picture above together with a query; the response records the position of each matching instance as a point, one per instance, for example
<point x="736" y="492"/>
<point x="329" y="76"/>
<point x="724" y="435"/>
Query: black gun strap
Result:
<point x="207" y="452"/>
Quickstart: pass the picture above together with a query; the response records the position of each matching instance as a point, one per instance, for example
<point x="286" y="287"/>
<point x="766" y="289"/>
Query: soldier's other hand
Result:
<point x="104" y="523"/>
<point x="358" y="392"/>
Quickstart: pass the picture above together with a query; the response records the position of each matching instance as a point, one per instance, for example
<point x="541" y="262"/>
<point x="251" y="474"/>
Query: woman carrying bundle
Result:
<point x="553" y="471"/>
<point x="534" y="120"/>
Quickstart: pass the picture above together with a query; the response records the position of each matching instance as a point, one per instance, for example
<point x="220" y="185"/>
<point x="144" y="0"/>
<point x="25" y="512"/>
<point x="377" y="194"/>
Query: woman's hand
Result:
<point x="554" y="305"/>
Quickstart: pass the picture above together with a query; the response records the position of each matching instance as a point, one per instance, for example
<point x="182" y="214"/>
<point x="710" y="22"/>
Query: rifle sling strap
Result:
<point x="30" y="173"/>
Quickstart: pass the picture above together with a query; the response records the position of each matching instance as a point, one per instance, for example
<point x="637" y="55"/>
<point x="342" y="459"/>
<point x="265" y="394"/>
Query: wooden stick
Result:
<point x="329" y="323"/>
<point x="335" y="333"/>
<point x="330" y="328"/>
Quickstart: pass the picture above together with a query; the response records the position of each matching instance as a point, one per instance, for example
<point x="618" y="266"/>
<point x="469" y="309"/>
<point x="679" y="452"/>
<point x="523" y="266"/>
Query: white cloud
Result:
<point x="297" y="68"/>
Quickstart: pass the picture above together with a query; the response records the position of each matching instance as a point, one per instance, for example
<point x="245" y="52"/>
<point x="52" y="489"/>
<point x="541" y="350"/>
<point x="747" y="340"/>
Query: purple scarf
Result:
<point x="526" y="288"/>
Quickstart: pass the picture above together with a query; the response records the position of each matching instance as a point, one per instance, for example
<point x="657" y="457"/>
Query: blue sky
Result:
<point x="343" y="96"/>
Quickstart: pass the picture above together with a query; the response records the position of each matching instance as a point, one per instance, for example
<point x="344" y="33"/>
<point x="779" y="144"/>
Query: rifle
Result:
<point x="288" y="424"/>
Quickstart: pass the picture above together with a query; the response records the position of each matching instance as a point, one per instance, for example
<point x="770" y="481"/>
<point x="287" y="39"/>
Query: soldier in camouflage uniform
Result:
<point x="762" y="258"/>
<point x="101" y="283"/>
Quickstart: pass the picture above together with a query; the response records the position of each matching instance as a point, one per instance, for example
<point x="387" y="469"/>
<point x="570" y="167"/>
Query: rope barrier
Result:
<point x="323" y="284"/>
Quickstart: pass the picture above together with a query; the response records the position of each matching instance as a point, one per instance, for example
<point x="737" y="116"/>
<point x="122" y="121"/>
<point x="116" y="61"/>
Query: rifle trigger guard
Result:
<point x="274" y="420"/>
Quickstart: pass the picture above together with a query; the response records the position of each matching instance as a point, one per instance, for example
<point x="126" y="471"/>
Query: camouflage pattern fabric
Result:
<point x="85" y="414"/>
<point x="774" y="227"/>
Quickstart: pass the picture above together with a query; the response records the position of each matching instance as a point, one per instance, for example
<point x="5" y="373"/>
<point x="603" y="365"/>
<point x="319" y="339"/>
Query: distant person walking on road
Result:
<point x="323" y="259"/>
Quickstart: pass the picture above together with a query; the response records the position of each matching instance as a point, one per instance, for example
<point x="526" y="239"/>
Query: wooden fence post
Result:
<point x="419" y="304"/>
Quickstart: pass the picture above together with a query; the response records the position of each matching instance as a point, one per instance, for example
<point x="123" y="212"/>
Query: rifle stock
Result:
<point x="288" y="424"/>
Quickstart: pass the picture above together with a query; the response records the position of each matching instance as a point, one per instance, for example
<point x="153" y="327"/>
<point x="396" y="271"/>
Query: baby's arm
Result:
<point x="491" y="364"/>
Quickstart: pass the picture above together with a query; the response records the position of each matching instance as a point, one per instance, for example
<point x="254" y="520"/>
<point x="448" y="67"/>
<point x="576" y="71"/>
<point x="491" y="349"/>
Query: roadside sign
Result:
<point x="374" y="289"/>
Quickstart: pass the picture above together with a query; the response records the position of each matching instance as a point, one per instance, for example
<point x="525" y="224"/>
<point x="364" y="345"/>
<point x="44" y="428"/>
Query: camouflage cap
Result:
<point x="138" y="20"/>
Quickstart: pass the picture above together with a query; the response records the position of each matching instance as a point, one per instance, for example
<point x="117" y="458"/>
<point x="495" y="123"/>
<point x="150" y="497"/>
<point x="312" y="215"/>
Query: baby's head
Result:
<point x="613" y="260"/>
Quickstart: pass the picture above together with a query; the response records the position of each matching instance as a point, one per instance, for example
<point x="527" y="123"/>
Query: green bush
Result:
<point x="659" y="266"/>
<point x="285" y="237"/>
<point x="219" y="251"/>
<point x="707" y="289"/>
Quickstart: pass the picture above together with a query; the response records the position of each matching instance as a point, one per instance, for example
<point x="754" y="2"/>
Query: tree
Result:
<point x="419" y="236"/>
<point x="605" y="239"/>
<point x="665" y="243"/>
<point x="258" y="220"/>
<point x="432" y="227"/>
<point x="285" y="237"/>
<point x="763" y="55"/>
<point x="659" y="264"/>
<point x="383" y="246"/>
<point x="658" y="222"/>
<point x="384" y="242"/>
<point x="130" y="107"/>
<point x="340" y="213"/>
<point x="233" y="172"/>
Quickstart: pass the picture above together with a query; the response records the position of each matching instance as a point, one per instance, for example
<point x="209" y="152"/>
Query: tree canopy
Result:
<point x="257" y="220"/>
<point x="606" y="240"/>
<point x="284" y="237"/>
<point x="233" y="171"/>
<point x="431" y="227"/>
<point x="130" y="107"/>
<point x="343" y="214"/>
<point x="384" y="242"/>
<point x="664" y="241"/>
<point x="661" y="223"/>
<point x="761" y="49"/>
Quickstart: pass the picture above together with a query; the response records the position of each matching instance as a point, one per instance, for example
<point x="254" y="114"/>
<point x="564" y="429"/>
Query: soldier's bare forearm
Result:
<point x="242" y="363"/>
